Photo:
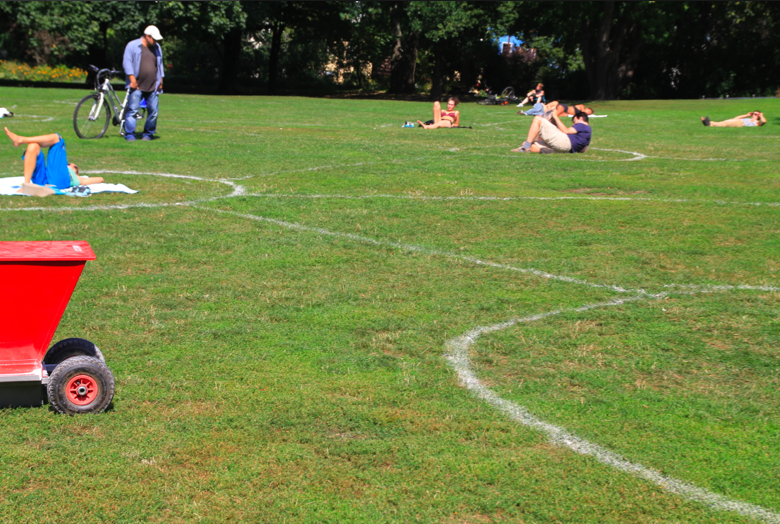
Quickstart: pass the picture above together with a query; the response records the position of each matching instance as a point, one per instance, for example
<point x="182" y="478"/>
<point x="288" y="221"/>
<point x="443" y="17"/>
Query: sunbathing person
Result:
<point x="534" y="95"/>
<point x="546" y="137"/>
<point x="556" y="108"/>
<point x="752" y="119"/>
<point x="448" y="118"/>
<point x="54" y="169"/>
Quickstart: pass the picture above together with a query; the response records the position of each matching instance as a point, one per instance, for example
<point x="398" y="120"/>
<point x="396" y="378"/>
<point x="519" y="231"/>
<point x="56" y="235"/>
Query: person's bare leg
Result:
<point x="533" y="134"/>
<point x="87" y="180"/>
<point x="435" y="125"/>
<point x="734" y="122"/>
<point x="30" y="159"/>
<point x="436" y="112"/>
<point x="43" y="140"/>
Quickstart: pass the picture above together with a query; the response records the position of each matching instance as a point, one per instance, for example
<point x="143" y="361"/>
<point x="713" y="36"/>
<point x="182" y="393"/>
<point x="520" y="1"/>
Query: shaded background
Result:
<point x="594" y="50"/>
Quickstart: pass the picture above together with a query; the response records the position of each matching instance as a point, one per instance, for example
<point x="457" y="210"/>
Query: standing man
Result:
<point x="143" y="65"/>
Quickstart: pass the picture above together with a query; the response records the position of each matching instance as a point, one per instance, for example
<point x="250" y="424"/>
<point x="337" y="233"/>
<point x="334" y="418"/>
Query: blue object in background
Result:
<point x="516" y="42"/>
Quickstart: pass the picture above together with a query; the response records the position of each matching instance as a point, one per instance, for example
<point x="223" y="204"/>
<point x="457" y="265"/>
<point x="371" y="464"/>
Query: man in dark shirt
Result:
<point x="547" y="137"/>
<point x="144" y="74"/>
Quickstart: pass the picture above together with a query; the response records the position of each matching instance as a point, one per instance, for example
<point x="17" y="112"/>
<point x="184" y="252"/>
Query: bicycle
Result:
<point x="507" y="96"/>
<point x="93" y="112"/>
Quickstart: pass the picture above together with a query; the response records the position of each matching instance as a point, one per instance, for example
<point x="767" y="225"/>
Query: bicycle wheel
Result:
<point x="508" y="92"/>
<point x="90" y="120"/>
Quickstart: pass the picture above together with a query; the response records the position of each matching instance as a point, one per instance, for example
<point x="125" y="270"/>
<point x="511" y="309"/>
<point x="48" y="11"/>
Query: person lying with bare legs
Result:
<point x="752" y="119"/>
<point x="53" y="170"/>
<point x="557" y="108"/>
<point x="546" y="137"/>
<point x="448" y="118"/>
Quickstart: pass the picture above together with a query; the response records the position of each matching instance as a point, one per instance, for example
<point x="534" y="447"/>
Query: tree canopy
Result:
<point x="598" y="50"/>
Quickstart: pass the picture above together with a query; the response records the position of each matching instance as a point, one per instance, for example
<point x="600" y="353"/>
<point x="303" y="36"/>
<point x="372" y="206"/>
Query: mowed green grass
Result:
<point x="279" y="355"/>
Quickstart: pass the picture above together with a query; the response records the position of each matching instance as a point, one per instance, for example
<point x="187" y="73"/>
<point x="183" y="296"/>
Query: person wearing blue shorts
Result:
<point x="54" y="170"/>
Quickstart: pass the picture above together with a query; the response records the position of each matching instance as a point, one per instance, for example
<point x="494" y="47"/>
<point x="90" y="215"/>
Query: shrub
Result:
<point x="10" y="70"/>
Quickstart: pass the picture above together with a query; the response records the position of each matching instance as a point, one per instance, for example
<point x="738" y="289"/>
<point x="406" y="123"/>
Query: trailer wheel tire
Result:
<point x="72" y="347"/>
<point x="80" y="385"/>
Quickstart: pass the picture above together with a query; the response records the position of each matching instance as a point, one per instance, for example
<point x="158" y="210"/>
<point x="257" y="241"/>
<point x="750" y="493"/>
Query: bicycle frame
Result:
<point x="106" y="93"/>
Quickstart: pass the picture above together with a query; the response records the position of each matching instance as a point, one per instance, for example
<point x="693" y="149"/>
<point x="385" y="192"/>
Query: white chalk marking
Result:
<point x="427" y="251"/>
<point x="506" y="199"/>
<point x="636" y="156"/>
<point x="238" y="190"/>
<point x="457" y="355"/>
<point x="41" y="118"/>
<point x="712" y="288"/>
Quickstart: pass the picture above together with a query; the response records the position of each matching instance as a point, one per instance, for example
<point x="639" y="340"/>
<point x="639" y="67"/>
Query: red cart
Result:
<point x="38" y="279"/>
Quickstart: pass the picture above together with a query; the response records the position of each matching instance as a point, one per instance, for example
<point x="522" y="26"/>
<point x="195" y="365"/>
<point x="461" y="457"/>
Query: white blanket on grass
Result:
<point x="11" y="186"/>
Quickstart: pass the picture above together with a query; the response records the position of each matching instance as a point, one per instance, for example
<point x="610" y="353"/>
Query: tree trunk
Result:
<point x="604" y="65"/>
<point x="438" y="72"/>
<point x="98" y="56"/>
<point x="273" y="65"/>
<point x="404" y="58"/>
<point x="230" y="62"/>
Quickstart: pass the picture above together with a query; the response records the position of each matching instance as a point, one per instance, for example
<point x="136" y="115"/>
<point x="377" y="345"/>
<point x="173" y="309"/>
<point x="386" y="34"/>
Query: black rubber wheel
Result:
<point x="72" y="347"/>
<point x="87" y="126"/>
<point x="80" y="385"/>
<point x="508" y="92"/>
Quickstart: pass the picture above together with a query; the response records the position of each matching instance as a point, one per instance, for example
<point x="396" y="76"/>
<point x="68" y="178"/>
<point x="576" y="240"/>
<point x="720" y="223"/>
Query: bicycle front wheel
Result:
<point x="90" y="120"/>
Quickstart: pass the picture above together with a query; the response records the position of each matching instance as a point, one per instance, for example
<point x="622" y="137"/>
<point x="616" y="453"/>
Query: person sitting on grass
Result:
<point x="546" y="137"/>
<point x="752" y="119"/>
<point x="557" y="108"/>
<point x="448" y="118"/>
<point x="534" y="95"/>
<point x="54" y="169"/>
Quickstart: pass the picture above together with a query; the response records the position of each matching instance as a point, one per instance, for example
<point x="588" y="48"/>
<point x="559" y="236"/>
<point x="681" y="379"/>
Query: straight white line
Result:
<point x="419" y="249"/>
<point x="507" y="199"/>
<point x="457" y="355"/>
<point x="712" y="288"/>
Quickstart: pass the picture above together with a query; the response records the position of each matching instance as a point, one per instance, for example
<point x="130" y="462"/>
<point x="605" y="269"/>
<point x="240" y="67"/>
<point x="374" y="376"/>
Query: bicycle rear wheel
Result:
<point x="90" y="120"/>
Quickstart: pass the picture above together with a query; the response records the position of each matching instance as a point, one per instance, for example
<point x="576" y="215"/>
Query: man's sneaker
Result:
<point x="706" y="121"/>
<point x="130" y="138"/>
<point x="520" y="105"/>
<point x="146" y="138"/>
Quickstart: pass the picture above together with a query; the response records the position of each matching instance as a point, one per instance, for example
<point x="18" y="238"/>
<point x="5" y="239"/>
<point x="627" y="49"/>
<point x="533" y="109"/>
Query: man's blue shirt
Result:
<point x="131" y="62"/>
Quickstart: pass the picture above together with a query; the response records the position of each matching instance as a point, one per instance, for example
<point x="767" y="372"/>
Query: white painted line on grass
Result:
<point x="427" y="251"/>
<point x="39" y="117"/>
<point x="238" y="190"/>
<point x="707" y="288"/>
<point x="457" y="355"/>
<point x="508" y="199"/>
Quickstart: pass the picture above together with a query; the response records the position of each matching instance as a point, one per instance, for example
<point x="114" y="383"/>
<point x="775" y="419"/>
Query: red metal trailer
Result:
<point x="38" y="279"/>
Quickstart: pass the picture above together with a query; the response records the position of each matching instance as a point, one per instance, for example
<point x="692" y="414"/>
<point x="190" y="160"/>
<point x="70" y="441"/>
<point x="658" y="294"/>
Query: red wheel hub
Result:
<point x="82" y="389"/>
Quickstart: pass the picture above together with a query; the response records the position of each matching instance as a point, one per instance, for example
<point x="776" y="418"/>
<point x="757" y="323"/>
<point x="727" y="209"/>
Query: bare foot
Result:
<point x="422" y="125"/>
<point x="16" y="139"/>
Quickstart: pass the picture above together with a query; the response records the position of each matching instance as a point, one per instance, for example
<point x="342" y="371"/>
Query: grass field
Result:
<point x="335" y="319"/>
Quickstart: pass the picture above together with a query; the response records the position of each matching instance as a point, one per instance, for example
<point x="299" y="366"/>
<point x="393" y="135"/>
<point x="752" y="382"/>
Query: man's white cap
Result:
<point x="153" y="32"/>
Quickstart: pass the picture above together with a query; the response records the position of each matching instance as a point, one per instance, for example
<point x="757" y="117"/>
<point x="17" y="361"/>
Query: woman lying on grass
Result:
<point x="53" y="170"/>
<point x="752" y="119"/>
<point x="448" y="118"/>
<point x="556" y="108"/>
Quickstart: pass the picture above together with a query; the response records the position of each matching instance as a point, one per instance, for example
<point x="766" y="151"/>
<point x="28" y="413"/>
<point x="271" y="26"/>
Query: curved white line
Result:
<point x="42" y="118"/>
<point x="636" y="156"/>
<point x="457" y="350"/>
<point x="238" y="190"/>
